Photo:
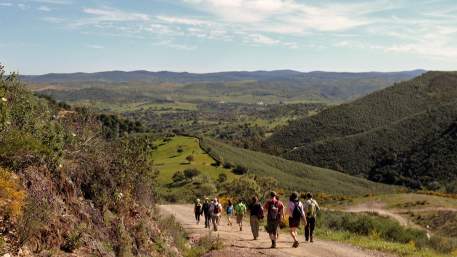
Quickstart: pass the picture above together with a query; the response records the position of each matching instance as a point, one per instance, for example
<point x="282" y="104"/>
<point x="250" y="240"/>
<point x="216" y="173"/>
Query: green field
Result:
<point x="168" y="161"/>
<point x="294" y="175"/>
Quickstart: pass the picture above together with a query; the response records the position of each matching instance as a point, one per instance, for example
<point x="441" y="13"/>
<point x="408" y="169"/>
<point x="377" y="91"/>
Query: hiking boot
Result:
<point x="296" y="244"/>
<point x="311" y="239"/>
<point x="241" y="228"/>
<point x="273" y="244"/>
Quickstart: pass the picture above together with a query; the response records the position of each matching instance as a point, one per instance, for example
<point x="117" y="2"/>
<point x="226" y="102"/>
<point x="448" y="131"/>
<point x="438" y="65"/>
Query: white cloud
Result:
<point x="115" y="15"/>
<point x="94" y="46"/>
<point x="177" y="46"/>
<point x="58" y="2"/>
<point x="182" y="20"/>
<point x="22" y="6"/>
<point x="56" y="20"/>
<point x="6" y="4"/>
<point x="284" y="16"/>
<point x="44" y="8"/>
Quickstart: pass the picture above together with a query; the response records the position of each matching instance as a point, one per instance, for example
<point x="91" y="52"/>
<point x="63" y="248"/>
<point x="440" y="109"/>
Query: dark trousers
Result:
<point x="197" y="217"/>
<point x="309" y="228"/>
<point x="207" y="220"/>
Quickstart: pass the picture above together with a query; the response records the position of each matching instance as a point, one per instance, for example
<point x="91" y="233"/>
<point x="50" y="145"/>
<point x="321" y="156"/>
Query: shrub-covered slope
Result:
<point x="66" y="190"/>
<point x="292" y="175"/>
<point x="375" y="110"/>
<point x="402" y="135"/>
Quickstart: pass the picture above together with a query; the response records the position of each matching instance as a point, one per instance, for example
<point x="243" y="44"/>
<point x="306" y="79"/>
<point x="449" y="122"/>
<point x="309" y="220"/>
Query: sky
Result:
<point x="44" y="36"/>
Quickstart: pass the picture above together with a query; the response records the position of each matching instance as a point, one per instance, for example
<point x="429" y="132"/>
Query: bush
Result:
<point x="240" y="170"/>
<point x="190" y="173"/>
<point x="12" y="195"/>
<point x="178" y="176"/>
<point x="190" y="158"/>
<point x="227" y="165"/>
<point x="222" y="178"/>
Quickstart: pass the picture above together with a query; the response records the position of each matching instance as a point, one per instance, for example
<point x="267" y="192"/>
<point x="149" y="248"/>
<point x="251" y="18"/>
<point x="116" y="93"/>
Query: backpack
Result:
<point x="217" y="208"/>
<point x="229" y="209"/>
<point x="260" y="215"/>
<point x="296" y="214"/>
<point x="311" y="208"/>
<point x="198" y="208"/>
<point x="273" y="211"/>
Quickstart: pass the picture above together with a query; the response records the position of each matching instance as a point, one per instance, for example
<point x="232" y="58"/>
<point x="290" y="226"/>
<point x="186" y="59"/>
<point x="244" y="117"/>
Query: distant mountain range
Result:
<point x="267" y="86"/>
<point x="185" y="77"/>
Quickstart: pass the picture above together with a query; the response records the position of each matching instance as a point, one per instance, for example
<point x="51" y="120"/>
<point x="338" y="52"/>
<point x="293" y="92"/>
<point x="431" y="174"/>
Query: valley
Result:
<point x="366" y="160"/>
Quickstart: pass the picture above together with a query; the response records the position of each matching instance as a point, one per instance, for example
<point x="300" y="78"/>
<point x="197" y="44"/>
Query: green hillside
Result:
<point x="402" y="135"/>
<point x="375" y="110"/>
<point x="293" y="175"/>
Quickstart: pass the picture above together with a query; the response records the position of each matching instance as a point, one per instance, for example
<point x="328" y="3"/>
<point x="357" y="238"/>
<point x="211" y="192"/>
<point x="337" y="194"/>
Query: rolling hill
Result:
<point x="268" y="86"/>
<point x="401" y="135"/>
<point x="293" y="175"/>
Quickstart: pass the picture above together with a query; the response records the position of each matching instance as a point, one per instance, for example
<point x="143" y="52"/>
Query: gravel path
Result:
<point x="242" y="243"/>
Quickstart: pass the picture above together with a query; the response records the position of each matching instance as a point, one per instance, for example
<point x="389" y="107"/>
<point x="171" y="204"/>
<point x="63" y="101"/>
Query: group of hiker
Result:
<point x="297" y="211"/>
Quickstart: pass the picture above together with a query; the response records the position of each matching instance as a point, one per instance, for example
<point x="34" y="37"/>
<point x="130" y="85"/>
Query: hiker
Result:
<point x="311" y="208"/>
<point x="198" y="210"/>
<point x="240" y="210"/>
<point x="215" y="209"/>
<point x="296" y="214"/>
<point x="275" y="214"/>
<point x="206" y="212"/>
<point x="256" y="211"/>
<point x="229" y="211"/>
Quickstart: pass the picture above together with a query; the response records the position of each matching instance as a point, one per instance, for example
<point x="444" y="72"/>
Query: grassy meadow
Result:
<point x="168" y="160"/>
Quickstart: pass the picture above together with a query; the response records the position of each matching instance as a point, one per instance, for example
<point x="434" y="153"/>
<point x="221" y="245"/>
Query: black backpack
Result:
<point x="297" y="213"/>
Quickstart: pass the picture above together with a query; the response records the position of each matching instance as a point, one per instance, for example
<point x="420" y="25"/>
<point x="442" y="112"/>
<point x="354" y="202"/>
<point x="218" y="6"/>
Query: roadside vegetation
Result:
<point x="378" y="233"/>
<point x="67" y="187"/>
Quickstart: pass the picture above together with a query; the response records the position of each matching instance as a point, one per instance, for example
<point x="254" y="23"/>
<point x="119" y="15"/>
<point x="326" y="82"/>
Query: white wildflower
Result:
<point x="4" y="99"/>
<point x="73" y="134"/>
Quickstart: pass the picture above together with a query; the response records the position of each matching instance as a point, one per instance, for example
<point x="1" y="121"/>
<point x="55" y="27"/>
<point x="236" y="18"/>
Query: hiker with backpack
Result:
<point x="240" y="210"/>
<point x="229" y="211"/>
<point x="256" y="211"/>
<point x="275" y="214"/>
<point x="296" y="214"/>
<point x="311" y="208"/>
<point x="206" y="212"/>
<point x="198" y="210"/>
<point x="216" y="210"/>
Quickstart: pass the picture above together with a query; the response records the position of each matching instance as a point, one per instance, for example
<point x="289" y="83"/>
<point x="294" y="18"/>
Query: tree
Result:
<point x="190" y="158"/>
<point x="267" y="184"/>
<point x="240" y="170"/>
<point x="243" y="188"/>
<point x="178" y="176"/>
<point x="190" y="173"/>
<point x="222" y="178"/>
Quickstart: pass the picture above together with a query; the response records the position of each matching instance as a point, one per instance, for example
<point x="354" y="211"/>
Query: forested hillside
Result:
<point x="69" y="188"/>
<point x="375" y="110"/>
<point x="401" y="135"/>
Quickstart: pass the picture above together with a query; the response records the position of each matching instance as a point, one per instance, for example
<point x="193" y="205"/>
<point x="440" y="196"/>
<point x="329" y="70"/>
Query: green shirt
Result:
<point x="240" y="209"/>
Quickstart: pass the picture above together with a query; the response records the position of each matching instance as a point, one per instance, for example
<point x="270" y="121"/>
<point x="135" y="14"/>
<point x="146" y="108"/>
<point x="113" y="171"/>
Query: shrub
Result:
<point x="240" y="170"/>
<point x="190" y="173"/>
<point x="72" y="242"/>
<point x="190" y="158"/>
<point x="227" y="165"/>
<point x="178" y="176"/>
<point x="12" y="195"/>
<point x="222" y="178"/>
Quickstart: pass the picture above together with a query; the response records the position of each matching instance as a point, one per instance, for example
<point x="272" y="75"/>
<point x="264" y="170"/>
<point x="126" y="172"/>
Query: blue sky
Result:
<point x="41" y="36"/>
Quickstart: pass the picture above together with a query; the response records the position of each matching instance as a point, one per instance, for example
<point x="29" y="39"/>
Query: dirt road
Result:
<point x="235" y="239"/>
